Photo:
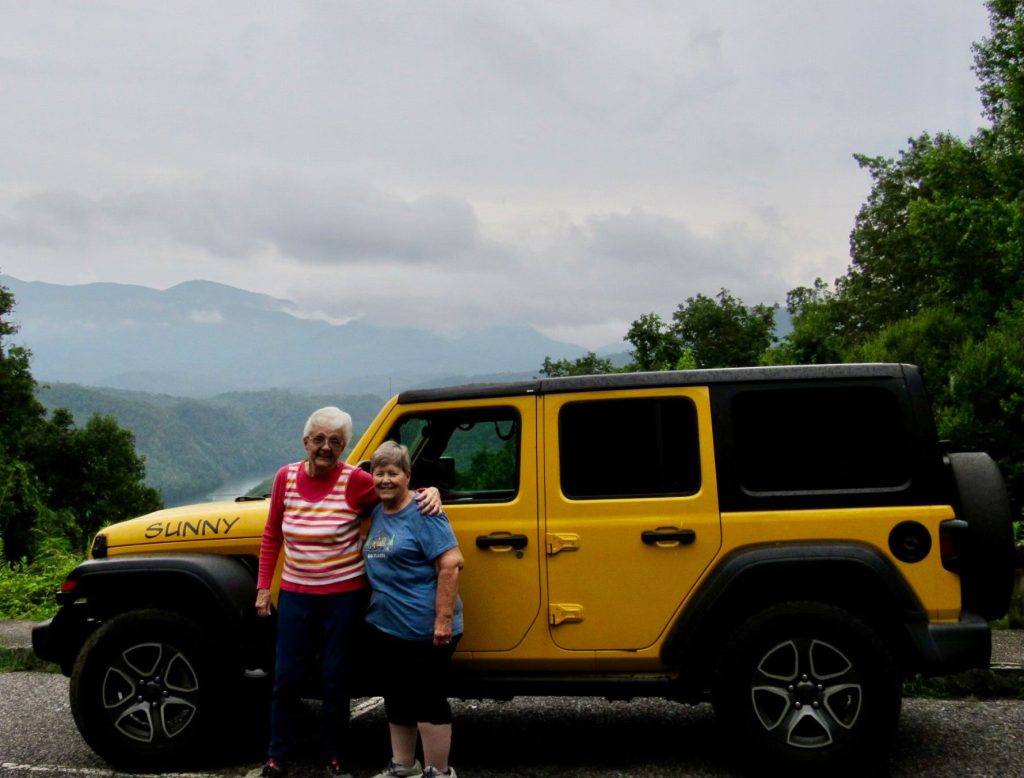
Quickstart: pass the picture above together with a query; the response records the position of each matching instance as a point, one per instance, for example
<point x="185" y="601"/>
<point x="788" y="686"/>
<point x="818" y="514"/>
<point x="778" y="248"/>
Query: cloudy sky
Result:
<point x="569" y="165"/>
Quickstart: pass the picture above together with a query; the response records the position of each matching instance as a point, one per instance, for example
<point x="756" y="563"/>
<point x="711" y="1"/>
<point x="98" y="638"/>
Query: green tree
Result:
<point x="1000" y="69"/>
<point x="589" y="364"/>
<point x="723" y="332"/>
<point x="984" y="405"/>
<point x="938" y="229"/>
<point x="98" y="476"/>
<point x="20" y="507"/>
<point x="819" y="321"/>
<point x="20" y="415"/>
<point x="55" y="478"/>
<point x="19" y="409"/>
<point x="655" y="346"/>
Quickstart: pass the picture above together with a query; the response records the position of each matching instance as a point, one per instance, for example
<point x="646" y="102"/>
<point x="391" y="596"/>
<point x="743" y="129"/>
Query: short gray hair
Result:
<point x="391" y="453"/>
<point x="332" y="418"/>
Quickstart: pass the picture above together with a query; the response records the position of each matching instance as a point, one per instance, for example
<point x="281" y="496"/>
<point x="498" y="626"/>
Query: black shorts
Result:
<point x="414" y="676"/>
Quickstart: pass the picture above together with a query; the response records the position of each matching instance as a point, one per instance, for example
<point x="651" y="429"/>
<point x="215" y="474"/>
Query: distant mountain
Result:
<point x="198" y="339"/>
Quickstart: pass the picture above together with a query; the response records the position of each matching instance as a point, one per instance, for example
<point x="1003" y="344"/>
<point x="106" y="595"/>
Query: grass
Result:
<point x="973" y="684"/>
<point x="19" y="660"/>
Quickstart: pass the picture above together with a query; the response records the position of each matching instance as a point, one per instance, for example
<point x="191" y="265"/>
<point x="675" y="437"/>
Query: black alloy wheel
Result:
<point x="807" y="687"/>
<point x="143" y="690"/>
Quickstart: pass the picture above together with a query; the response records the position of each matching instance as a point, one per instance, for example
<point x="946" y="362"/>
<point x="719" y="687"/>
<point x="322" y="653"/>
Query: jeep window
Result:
<point x="645" y="447"/>
<point x="841" y="439"/>
<point x="471" y="455"/>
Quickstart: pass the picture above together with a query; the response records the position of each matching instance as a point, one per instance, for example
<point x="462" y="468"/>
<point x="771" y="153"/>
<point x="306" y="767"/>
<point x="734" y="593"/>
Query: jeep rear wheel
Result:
<point x="807" y="686"/>
<point x="143" y="689"/>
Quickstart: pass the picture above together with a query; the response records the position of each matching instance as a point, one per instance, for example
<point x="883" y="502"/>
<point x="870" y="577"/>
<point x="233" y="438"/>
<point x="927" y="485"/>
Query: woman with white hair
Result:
<point x="314" y="518"/>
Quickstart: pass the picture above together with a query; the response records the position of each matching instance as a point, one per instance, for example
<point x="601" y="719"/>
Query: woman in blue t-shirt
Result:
<point x="413" y="563"/>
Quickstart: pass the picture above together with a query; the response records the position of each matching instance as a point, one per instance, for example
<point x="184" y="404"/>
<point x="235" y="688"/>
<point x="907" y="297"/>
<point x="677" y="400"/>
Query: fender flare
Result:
<point x="749" y="579"/>
<point x="217" y="591"/>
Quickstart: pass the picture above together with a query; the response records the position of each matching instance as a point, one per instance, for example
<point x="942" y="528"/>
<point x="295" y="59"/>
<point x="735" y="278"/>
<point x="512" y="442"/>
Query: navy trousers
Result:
<point x="312" y="627"/>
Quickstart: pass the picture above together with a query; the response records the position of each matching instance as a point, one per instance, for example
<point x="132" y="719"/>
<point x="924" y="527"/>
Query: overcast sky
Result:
<point x="568" y="165"/>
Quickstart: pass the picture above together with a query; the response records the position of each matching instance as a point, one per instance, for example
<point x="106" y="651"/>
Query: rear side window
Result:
<point x="842" y="439"/>
<point x="471" y="455"/>
<point x="645" y="447"/>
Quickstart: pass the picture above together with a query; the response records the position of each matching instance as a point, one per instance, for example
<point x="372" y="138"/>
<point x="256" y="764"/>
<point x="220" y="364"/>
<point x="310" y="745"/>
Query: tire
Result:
<point x="988" y="561"/>
<point x="804" y="687"/>
<point x="144" y="689"/>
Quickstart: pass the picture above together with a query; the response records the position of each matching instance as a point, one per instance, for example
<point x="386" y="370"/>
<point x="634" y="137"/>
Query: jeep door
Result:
<point x="482" y="455"/>
<point x="632" y="516"/>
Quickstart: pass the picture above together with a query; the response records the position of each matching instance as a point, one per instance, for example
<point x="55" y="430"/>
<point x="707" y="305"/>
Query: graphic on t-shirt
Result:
<point x="379" y="546"/>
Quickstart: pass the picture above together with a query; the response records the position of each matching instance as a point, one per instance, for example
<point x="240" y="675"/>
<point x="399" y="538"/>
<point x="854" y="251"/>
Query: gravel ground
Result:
<point x="547" y="738"/>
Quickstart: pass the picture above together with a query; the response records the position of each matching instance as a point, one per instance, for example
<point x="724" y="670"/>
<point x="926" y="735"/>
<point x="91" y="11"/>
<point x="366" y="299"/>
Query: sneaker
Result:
<point x="395" y="770"/>
<point x="334" y="770"/>
<point x="273" y="770"/>
<point x="433" y="772"/>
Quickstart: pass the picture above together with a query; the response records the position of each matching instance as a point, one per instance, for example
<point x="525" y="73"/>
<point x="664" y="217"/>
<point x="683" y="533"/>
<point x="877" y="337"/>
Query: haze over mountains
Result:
<point x="199" y="338"/>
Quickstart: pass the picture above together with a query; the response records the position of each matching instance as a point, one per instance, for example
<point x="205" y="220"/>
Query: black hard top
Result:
<point x="665" y="378"/>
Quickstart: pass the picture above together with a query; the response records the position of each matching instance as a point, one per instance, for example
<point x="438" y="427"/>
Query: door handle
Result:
<point x="501" y="541"/>
<point x="654" y="536"/>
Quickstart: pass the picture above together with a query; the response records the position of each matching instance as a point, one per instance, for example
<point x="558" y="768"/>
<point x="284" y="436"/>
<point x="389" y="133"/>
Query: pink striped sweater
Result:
<point x="316" y="521"/>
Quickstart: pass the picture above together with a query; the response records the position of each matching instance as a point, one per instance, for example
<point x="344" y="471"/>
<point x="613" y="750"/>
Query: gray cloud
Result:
<point x="568" y="165"/>
<point x="331" y="226"/>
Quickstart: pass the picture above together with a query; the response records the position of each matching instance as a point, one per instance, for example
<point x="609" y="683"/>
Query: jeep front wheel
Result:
<point x="143" y="688"/>
<point x="807" y="686"/>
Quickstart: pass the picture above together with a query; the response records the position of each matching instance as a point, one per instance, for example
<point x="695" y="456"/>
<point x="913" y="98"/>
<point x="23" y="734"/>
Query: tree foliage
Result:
<point x="589" y="364"/>
<point x="20" y="412"/>
<point x="704" y="332"/>
<point x="723" y="332"/>
<point x="58" y="484"/>
<point x="654" y="346"/>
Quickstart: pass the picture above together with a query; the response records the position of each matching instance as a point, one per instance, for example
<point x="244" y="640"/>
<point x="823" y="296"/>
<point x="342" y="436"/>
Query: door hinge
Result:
<point x="561" y="613"/>
<point x="561" y="541"/>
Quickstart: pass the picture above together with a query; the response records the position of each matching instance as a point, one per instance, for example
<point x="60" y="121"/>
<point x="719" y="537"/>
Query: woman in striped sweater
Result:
<point x="314" y="517"/>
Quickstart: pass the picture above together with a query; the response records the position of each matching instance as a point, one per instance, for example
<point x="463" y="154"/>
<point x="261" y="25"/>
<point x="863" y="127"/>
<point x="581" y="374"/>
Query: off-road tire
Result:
<point x="144" y="690"/>
<point x="806" y="687"/>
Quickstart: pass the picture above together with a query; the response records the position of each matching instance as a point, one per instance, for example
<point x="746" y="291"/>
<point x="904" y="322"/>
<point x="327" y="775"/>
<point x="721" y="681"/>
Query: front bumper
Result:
<point x="58" y="640"/>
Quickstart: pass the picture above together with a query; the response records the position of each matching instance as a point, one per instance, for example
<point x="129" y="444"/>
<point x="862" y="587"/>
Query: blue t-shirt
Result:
<point x="399" y="554"/>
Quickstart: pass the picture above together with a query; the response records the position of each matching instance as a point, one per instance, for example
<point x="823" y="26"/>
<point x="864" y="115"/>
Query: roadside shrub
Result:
<point x="27" y="588"/>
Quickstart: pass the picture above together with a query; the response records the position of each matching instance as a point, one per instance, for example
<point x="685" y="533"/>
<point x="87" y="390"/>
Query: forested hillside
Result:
<point x="193" y="446"/>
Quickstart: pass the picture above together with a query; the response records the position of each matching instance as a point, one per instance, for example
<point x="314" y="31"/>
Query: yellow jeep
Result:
<point x="786" y="542"/>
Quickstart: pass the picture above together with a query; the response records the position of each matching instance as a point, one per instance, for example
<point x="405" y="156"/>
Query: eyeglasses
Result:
<point x="336" y="444"/>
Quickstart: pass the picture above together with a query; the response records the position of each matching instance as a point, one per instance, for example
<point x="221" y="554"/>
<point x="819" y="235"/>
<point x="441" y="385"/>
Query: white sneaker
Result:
<point x="395" y="770"/>
<point x="433" y="772"/>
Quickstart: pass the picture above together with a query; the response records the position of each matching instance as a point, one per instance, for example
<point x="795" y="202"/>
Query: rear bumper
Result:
<point x="952" y="648"/>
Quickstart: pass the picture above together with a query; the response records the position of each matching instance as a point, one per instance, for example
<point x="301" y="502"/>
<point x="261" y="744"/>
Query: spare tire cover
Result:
<point x="988" y="558"/>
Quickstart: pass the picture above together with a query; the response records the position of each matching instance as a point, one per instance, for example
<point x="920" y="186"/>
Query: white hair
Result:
<point x="332" y="418"/>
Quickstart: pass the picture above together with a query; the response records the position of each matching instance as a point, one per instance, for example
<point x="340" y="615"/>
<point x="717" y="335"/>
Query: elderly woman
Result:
<point x="415" y="616"/>
<point x="314" y="517"/>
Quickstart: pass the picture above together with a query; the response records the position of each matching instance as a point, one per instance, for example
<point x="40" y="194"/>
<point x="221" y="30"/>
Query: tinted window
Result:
<point x="819" y="440"/>
<point x="629" y="448"/>
<point x="471" y="455"/>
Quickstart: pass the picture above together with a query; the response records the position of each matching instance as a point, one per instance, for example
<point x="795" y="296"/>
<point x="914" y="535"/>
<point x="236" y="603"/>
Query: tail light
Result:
<point x="952" y="543"/>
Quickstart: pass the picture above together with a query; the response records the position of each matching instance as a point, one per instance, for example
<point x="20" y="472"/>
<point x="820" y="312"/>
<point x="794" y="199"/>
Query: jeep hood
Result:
<point x="220" y="527"/>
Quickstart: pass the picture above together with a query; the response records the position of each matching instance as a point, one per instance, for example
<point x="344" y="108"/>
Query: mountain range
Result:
<point x="199" y="339"/>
